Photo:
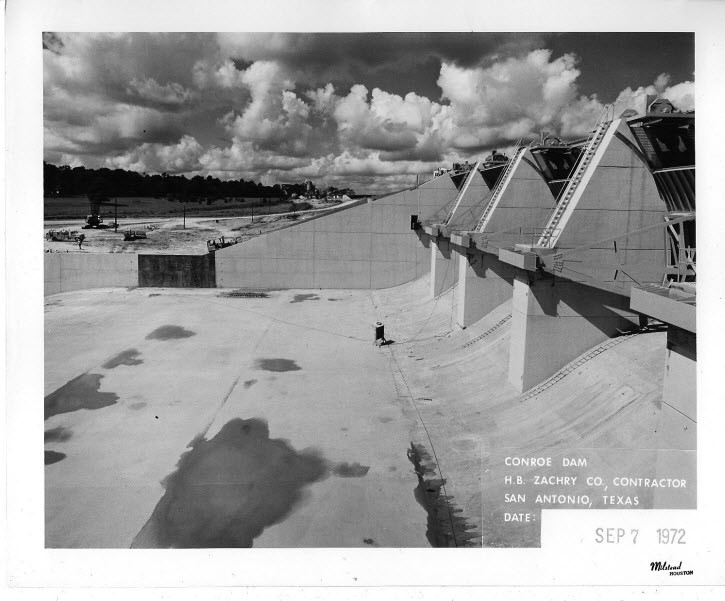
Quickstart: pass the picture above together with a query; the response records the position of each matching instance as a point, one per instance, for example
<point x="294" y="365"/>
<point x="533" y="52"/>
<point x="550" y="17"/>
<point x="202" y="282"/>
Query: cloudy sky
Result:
<point x="367" y="111"/>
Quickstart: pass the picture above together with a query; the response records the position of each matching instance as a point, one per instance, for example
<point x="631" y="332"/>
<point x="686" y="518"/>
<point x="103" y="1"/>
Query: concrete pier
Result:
<point x="676" y="308"/>
<point x="443" y="265"/>
<point x="555" y="322"/>
<point x="484" y="283"/>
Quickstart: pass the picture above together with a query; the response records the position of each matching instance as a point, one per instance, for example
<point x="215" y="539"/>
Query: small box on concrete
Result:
<point x="523" y="260"/>
<point x="461" y="239"/>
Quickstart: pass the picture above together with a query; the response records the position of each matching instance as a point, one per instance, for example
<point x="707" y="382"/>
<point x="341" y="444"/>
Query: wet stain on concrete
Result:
<point x="332" y="300"/>
<point x="52" y="457"/>
<point x="300" y="298"/>
<point x="80" y="393"/>
<point x="446" y="528"/>
<point x="385" y="420"/>
<point x="464" y="445"/>
<point x="249" y="383"/>
<point x="59" y="434"/>
<point x="277" y="365"/>
<point x="343" y="429"/>
<point x="392" y="468"/>
<point x="227" y="490"/>
<point x="127" y="357"/>
<point x="53" y="303"/>
<point x="154" y="294"/>
<point x="350" y="470"/>
<point x="368" y="541"/>
<point x="137" y="406"/>
<point x="169" y="332"/>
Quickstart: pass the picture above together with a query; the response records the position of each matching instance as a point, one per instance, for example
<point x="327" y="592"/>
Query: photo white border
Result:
<point x="30" y="565"/>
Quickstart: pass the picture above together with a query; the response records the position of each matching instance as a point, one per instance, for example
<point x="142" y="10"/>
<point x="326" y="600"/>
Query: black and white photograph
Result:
<point x="347" y="291"/>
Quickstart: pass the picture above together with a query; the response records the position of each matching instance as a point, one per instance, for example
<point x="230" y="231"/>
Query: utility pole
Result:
<point x="184" y="215"/>
<point x="115" y="215"/>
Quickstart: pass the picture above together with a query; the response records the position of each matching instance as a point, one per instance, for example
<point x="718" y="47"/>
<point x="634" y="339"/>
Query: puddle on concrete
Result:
<point x="300" y="298"/>
<point x="332" y="300"/>
<point x="277" y="365"/>
<point x="368" y="541"/>
<point x="445" y="527"/>
<point x="59" y="434"/>
<point x="249" y="383"/>
<point x="169" y="333"/>
<point x="52" y="457"/>
<point x="350" y="470"/>
<point x="80" y="393"/>
<point x="127" y="357"/>
<point x="227" y="490"/>
<point x="137" y="406"/>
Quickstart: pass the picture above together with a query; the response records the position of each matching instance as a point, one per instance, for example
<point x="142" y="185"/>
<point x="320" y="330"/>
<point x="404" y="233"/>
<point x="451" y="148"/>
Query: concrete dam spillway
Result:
<point x="538" y="306"/>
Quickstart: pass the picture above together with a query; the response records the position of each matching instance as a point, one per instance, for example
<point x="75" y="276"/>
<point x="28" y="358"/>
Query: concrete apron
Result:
<point x="272" y="422"/>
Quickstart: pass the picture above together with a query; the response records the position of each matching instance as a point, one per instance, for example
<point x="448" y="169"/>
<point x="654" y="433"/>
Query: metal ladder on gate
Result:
<point x="461" y="193"/>
<point x="499" y="187"/>
<point x="590" y="148"/>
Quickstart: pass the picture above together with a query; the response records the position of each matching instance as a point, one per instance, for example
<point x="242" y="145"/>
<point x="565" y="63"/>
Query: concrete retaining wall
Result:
<point x="369" y="245"/>
<point x="177" y="271"/>
<point x="77" y="271"/>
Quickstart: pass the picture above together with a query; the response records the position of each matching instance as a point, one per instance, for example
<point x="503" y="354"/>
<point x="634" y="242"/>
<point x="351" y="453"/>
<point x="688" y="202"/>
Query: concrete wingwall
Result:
<point x="368" y="245"/>
<point x="78" y="271"/>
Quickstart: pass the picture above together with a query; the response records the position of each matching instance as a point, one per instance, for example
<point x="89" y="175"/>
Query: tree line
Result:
<point x="63" y="180"/>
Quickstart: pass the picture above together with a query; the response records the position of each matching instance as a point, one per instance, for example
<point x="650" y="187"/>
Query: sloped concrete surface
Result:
<point x="366" y="245"/>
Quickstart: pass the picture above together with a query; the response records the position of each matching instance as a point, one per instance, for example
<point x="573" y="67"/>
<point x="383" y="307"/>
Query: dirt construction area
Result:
<point x="169" y="235"/>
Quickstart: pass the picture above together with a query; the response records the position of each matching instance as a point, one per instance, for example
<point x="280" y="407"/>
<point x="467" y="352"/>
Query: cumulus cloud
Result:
<point x="510" y="99"/>
<point x="182" y="157"/>
<point x="275" y="107"/>
<point x="169" y="94"/>
<point x="682" y="95"/>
